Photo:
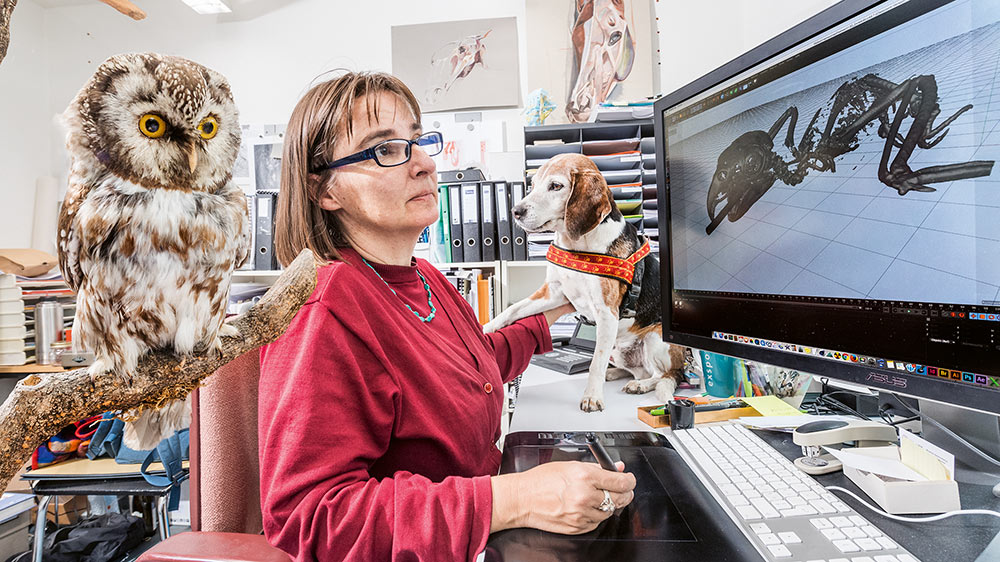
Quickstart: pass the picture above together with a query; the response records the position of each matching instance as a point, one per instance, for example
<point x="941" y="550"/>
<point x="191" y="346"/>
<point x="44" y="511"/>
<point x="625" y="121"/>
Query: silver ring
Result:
<point x="607" y="505"/>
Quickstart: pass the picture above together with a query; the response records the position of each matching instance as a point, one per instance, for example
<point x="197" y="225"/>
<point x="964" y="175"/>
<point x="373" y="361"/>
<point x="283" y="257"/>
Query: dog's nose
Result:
<point x="518" y="211"/>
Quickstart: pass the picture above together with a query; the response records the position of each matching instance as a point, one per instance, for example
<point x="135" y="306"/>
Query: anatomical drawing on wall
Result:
<point x="458" y="64"/>
<point x="588" y="52"/>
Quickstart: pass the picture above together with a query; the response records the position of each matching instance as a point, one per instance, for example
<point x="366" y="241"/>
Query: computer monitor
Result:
<point x="830" y="201"/>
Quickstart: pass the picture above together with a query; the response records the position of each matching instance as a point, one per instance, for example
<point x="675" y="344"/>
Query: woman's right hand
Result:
<point x="560" y="497"/>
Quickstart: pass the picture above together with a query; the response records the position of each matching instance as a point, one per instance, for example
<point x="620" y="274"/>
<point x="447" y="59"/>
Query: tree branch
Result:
<point x="42" y="404"/>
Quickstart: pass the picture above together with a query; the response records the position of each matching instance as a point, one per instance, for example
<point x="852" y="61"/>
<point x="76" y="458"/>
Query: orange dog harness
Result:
<point x="622" y="269"/>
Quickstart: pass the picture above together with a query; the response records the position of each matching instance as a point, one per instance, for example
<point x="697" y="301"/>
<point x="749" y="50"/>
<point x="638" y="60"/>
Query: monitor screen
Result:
<point x="832" y="200"/>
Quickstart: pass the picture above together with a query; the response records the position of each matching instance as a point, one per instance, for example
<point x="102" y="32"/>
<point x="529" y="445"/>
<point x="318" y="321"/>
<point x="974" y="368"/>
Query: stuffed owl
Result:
<point x="152" y="226"/>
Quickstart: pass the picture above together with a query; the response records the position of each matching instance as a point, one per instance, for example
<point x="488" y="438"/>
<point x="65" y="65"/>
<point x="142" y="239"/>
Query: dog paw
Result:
<point x="634" y="387"/>
<point x="491" y="326"/>
<point x="591" y="404"/>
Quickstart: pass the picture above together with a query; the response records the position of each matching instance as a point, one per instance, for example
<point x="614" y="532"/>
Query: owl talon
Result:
<point x="227" y="330"/>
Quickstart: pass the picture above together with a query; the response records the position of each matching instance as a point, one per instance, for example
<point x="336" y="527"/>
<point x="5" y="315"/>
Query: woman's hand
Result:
<point x="560" y="497"/>
<point x="556" y="313"/>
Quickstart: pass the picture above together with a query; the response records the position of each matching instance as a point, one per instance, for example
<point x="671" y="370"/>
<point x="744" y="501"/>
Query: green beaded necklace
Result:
<point x="427" y="288"/>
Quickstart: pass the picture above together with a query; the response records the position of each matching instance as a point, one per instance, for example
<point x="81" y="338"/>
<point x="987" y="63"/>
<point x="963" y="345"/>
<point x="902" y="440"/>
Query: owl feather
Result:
<point x="152" y="225"/>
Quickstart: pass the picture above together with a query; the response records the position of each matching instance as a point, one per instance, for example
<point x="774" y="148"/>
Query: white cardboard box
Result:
<point x="900" y="496"/>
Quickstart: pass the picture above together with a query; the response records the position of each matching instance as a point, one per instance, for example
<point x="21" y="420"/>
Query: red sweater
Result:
<point x="377" y="430"/>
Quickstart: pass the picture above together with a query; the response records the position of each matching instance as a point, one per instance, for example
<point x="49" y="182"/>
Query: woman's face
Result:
<point x="367" y="197"/>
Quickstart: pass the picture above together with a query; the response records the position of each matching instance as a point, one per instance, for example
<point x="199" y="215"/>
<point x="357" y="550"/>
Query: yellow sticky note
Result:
<point x="771" y="406"/>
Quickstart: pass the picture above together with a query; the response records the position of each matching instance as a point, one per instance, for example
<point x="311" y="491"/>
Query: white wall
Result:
<point x="25" y="126"/>
<point x="271" y="53"/>
<point x="698" y="36"/>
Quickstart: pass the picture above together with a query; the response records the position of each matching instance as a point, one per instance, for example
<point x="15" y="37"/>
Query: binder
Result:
<point x="489" y="224"/>
<point x="455" y="215"/>
<point x="504" y="242"/>
<point x="264" y="236"/>
<point x="470" y="222"/>
<point x="520" y="239"/>
<point x="441" y="229"/>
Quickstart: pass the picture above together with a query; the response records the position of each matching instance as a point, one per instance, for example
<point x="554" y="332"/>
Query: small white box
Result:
<point x="901" y="496"/>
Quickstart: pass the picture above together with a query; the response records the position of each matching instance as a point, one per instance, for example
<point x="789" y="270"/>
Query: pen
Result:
<point x="600" y="453"/>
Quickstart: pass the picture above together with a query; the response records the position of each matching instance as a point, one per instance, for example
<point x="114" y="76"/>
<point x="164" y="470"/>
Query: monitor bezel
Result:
<point x="917" y="386"/>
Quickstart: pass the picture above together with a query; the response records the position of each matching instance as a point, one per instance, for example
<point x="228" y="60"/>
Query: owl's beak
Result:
<point x="192" y="156"/>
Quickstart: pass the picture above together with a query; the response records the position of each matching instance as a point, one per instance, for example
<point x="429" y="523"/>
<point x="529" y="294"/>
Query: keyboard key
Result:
<point x="779" y="551"/>
<point x="789" y="537"/>
<point x="871" y="531"/>
<point x="747" y="512"/>
<point x="780" y="505"/>
<point x="737" y="500"/>
<point x="798" y="511"/>
<point x="821" y="523"/>
<point x="841" y="521"/>
<point x="858" y="520"/>
<point x="822" y="507"/>
<point x="863" y="559"/>
<point x="846" y="546"/>
<point x="886" y="543"/>
<point x="886" y="558"/>
<point x="796" y="501"/>
<point x="833" y="534"/>
<point x="868" y="544"/>
<point x="760" y="528"/>
<point x="841" y="507"/>
<point x="769" y="538"/>
<point x="903" y="558"/>
<point x="854" y="533"/>
<point x="731" y="490"/>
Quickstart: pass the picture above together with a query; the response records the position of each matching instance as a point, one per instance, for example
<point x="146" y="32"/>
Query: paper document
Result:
<point x="771" y="406"/>
<point x="786" y="422"/>
<point x="925" y="457"/>
<point x="889" y="466"/>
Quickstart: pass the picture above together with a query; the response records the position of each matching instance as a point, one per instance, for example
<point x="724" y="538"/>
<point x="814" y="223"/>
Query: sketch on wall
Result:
<point x="458" y="64"/>
<point x="587" y="52"/>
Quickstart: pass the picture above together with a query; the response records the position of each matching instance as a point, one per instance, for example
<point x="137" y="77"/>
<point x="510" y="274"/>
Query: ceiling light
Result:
<point x="208" y="6"/>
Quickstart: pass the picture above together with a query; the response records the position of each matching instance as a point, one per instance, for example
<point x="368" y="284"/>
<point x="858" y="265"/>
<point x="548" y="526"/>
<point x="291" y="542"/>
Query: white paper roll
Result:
<point x="43" y="231"/>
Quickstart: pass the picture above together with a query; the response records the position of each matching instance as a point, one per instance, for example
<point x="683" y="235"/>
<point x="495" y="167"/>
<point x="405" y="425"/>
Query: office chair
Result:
<point x="226" y="520"/>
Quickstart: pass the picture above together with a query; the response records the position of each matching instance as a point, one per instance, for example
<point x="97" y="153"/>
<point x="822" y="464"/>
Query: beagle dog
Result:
<point x="571" y="198"/>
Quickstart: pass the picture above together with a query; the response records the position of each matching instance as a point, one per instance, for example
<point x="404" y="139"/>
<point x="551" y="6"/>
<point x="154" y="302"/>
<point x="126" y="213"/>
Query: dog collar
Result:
<point x="603" y="265"/>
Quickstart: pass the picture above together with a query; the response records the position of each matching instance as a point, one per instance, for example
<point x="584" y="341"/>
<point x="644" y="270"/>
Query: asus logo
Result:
<point x="887" y="380"/>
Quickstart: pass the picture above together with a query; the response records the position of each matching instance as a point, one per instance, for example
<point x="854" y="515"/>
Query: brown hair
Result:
<point x="313" y="129"/>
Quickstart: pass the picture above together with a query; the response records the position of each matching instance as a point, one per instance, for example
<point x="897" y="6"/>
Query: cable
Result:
<point x="915" y="519"/>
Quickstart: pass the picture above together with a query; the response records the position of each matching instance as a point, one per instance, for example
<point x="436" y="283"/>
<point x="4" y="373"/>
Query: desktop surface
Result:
<point x="671" y="516"/>
<point x="549" y="402"/>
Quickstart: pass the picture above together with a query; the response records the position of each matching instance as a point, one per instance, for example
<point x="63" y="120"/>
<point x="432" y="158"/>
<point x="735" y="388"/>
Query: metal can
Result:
<point x="48" y="329"/>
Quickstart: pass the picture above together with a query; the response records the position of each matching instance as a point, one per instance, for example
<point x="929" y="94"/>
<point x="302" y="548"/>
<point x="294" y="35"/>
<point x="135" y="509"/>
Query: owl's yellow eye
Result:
<point x="152" y="125"/>
<point x="208" y="127"/>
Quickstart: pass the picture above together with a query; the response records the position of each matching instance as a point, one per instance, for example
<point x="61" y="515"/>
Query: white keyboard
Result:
<point x="786" y="514"/>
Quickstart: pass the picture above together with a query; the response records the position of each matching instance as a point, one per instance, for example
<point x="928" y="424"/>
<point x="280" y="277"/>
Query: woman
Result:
<point x="381" y="404"/>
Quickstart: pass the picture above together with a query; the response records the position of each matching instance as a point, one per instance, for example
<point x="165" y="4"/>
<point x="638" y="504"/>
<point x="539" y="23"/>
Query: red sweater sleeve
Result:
<point x="325" y="417"/>
<point x="514" y="345"/>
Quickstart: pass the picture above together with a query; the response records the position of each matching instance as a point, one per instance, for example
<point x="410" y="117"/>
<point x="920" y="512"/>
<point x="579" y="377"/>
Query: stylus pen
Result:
<point x="600" y="453"/>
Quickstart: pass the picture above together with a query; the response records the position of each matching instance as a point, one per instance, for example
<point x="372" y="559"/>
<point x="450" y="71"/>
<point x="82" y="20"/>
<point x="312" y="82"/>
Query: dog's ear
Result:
<point x="588" y="203"/>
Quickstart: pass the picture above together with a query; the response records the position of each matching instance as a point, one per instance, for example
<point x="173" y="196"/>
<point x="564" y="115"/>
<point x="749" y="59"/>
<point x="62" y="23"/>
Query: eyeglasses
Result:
<point x="392" y="152"/>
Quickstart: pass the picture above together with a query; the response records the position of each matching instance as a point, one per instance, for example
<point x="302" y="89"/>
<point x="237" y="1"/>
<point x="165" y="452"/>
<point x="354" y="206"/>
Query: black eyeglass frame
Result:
<point x="426" y="139"/>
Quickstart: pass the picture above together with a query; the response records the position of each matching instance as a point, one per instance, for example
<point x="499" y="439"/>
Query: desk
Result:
<point x="137" y="486"/>
<point x="549" y="401"/>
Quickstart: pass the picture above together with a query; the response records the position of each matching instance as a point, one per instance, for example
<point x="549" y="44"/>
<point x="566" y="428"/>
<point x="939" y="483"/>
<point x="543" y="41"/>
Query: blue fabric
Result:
<point x="170" y="452"/>
<point x="107" y="441"/>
